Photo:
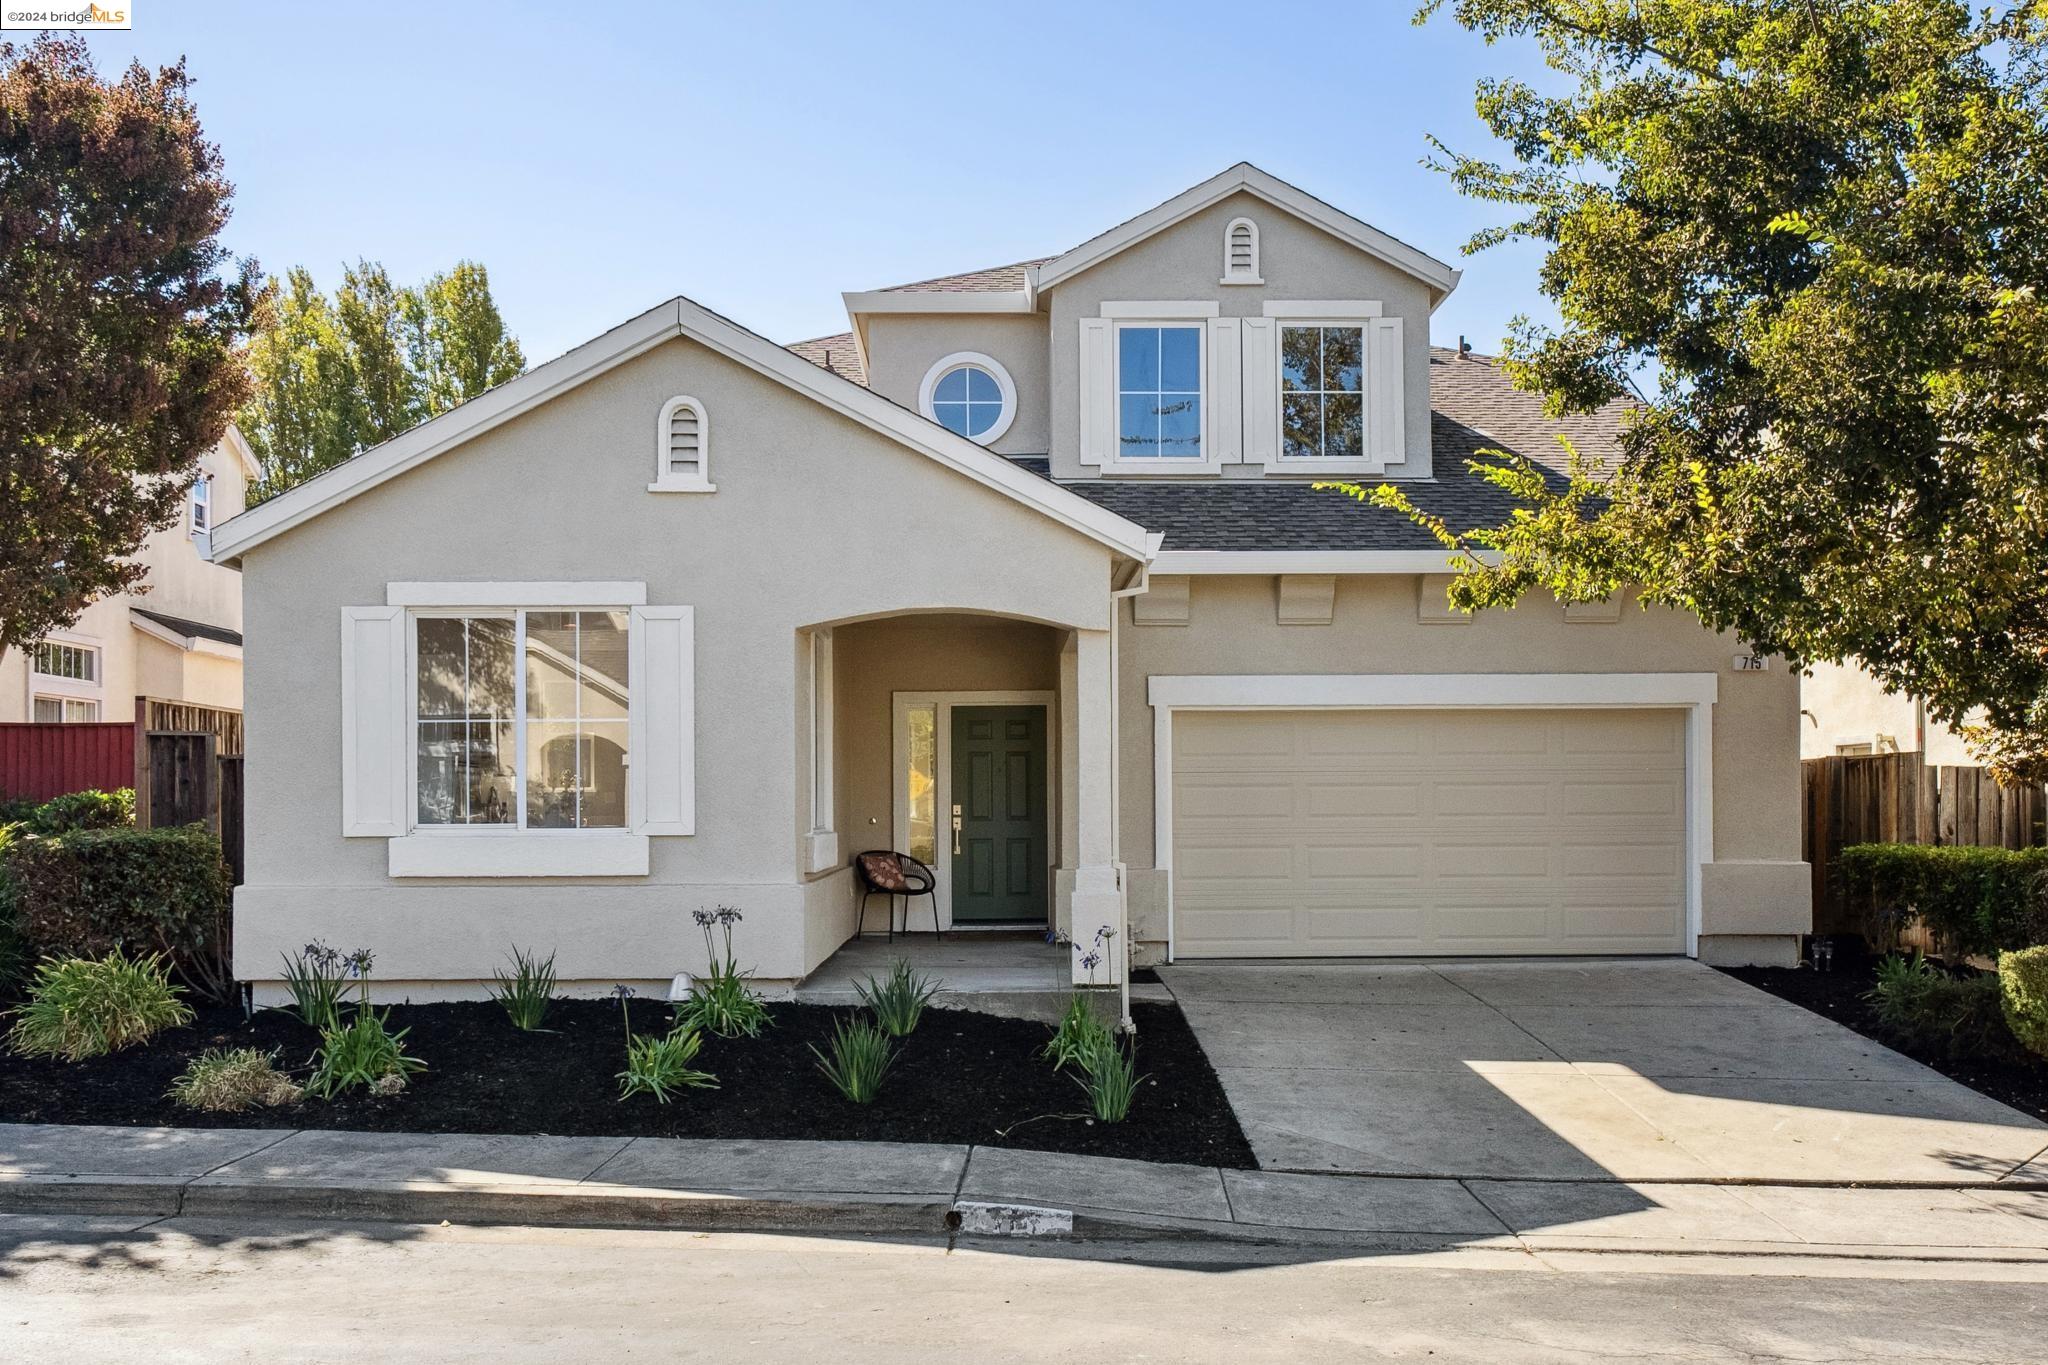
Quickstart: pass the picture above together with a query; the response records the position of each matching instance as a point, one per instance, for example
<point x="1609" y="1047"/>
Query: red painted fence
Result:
<point x="38" y="762"/>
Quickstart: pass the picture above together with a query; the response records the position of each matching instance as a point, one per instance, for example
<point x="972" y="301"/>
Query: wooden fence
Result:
<point x="1900" y="798"/>
<point x="182" y="778"/>
<point x="39" y="761"/>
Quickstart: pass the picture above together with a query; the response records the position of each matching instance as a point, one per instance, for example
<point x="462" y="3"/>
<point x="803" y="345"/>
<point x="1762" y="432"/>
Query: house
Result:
<point x="1843" y="710"/>
<point x="177" y="639"/>
<point x="1022" y="574"/>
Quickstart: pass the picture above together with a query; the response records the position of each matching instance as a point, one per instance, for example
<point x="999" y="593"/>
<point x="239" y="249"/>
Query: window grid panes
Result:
<point x="202" y="503"/>
<point x="76" y="662"/>
<point x="967" y="400"/>
<point x="65" y="710"/>
<point x="1322" y="403"/>
<point x="1159" y="393"/>
<point x="466" y="698"/>
<point x="575" y="719"/>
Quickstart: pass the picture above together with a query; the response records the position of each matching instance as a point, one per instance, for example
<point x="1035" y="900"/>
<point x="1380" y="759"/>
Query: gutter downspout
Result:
<point x="1140" y="584"/>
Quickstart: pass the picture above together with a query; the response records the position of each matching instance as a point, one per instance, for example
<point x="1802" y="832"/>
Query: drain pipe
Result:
<point x="1140" y="584"/>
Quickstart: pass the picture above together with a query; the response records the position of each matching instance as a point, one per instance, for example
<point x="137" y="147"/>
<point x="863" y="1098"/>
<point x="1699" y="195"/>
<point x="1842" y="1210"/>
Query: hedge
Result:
<point x="2023" y="992"/>
<point x="1973" y="900"/>
<point x="89" y="891"/>
<point x="75" y="810"/>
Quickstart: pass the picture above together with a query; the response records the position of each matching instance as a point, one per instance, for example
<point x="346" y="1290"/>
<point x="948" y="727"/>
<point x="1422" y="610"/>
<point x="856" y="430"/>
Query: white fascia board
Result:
<point x="1359" y="691"/>
<point x="238" y="446"/>
<point x="1307" y="561"/>
<point x="191" y="644"/>
<point x="938" y="301"/>
<point x="1440" y="277"/>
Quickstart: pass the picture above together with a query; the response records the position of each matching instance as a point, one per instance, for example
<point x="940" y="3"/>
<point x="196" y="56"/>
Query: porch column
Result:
<point x="1097" y="917"/>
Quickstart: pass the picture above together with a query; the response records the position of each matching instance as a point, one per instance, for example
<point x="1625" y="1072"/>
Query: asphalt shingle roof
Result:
<point x="191" y="629"/>
<point x="996" y="279"/>
<point x="836" y="353"/>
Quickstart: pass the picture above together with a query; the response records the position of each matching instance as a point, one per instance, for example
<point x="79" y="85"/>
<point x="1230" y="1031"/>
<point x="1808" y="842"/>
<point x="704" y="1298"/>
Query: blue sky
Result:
<point x="763" y="158"/>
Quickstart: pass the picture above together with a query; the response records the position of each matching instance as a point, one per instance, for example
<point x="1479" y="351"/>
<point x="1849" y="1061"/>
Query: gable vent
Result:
<point x="682" y="450"/>
<point x="685" y="442"/>
<point x="1241" y="252"/>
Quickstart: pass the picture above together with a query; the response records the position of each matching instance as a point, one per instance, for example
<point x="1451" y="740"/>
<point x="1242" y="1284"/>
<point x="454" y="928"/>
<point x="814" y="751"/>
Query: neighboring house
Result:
<point x="1846" y="711"/>
<point x="178" y="638"/>
<point x="1022" y="574"/>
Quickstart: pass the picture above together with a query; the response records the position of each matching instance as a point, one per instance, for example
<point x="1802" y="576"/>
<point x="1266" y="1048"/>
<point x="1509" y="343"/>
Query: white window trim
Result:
<point x="1231" y="276"/>
<point x="201" y="496"/>
<point x="1161" y="310"/>
<point x="665" y="479"/>
<point x="1695" y="693"/>
<point x="1323" y="313"/>
<point x="1117" y="462"/>
<point x="995" y="370"/>
<point x="56" y="688"/>
<point x="821" y="841"/>
<point x="64" y="699"/>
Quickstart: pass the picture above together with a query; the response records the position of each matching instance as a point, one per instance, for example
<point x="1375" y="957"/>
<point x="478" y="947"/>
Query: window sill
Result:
<point x="821" y="851"/>
<point x="682" y="486"/>
<point x="1161" y="466"/>
<point x="515" y="853"/>
<point x="1320" y="465"/>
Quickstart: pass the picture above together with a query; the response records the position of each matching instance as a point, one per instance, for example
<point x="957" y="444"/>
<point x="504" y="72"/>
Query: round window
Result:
<point x="967" y="400"/>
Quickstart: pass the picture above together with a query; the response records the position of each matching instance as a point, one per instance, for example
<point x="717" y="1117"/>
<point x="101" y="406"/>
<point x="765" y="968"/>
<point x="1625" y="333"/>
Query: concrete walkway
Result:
<point x="908" y="1189"/>
<point x="1647" y="1070"/>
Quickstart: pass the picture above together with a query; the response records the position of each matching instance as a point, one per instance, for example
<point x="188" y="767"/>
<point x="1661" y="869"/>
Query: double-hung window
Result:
<point x="1322" y="391"/>
<point x="1159" y="391"/>
<point x="202" y="504"/>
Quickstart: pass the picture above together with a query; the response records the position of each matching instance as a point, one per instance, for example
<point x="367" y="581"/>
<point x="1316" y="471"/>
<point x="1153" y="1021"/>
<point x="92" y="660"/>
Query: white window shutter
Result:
<point x="1387" y="439"/>
<point x="1226" y="387"/>
<point x="1261" y="391"/>
<point x="661" y="678"/>
<point x="1098" y="392"/>
<point x="374" y="771"/>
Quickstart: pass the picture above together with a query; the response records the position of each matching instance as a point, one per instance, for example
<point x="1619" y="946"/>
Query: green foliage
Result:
<point x="362" y="1053"/>
<point x="333" y="378"/>
<point x="87" y="891"/>
<point x="721" y="1001"/>
<point x="1810" y="242"/>
<point x="527" y="991"/>
<point x="317" y="977"/>
<point x="86" y="1007"/>
<point x="228" y="1080"/>
<point x="860" y="1059"/>
<point x="78" y="810"/>
<point x="1081" y="1031"/>
<point x="659" y="1065"/>
<point x="1974" y="900"/>
<point x="121" y="317"/>
<point x="898" y="1003"/>
<point x="1925" y="1008"/>
<point x="2023" y="996"/>
<point x="1110" y="1076"/>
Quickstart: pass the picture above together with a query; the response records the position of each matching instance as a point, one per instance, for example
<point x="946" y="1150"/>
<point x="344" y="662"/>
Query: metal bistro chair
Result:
<point x="884" y="872"/>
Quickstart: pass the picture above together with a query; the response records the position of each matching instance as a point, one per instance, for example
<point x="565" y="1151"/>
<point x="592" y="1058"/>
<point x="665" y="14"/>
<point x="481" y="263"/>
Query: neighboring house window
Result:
<point x="1241" y="252"/>
<point x="202" y="504"/>
<point x="78" y="663"/>
<point x="969" y="394"/>
<point x="1159" y="391"/>
<point x="65" y="710"/>
<point x="520" y="719"/>
<point x="1322" y="392"/>
<point x="682" y="456"/>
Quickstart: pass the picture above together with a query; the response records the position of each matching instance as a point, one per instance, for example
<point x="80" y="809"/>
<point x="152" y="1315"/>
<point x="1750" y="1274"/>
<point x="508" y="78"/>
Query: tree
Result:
<point x="333" y="379"/>
<point x="120" y="319"/>
<point x="1820" y="228"/>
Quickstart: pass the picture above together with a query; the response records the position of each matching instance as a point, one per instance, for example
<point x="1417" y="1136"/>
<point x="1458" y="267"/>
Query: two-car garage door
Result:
<point x="1327" y="833"/>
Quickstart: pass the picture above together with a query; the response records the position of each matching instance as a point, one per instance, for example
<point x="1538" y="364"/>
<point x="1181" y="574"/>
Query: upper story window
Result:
<point x="1241" y="252"/>
<point x="202" y="504"/>
<point x="969" y="394"/>
<point x="1159" y="391"/>
<point x="682" y="448"/>
<point x="79" y="663"/>
<point x="1322" y="391"/>
<point x="66" y="710"/>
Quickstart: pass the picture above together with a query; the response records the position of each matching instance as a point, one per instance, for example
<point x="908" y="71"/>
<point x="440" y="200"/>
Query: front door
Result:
<point x="998" y="816"/>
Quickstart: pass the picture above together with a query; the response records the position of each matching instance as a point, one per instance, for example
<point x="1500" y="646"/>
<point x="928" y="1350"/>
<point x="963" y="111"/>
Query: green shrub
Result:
<point x="898" y="1003"/>
<point x="720" y="1001"/>
<point x="528" y="991"/>
<point x="1922" y="1006"/>
<point x="657" y="1065"/>
<point x="1080" y="1031"/>
<point x="1110" y="1077"/>
<point x="13" y="948"/>
<point x="364" y="1052"/>
<point x="82" y="810"/>
<point x="861" y="1057"/>
<point x="2023" y="994"/>
<point x="317" y="977"/>
<point x="228" y="1081"/>
<point x="87" y="1007"/>
<point x="1974" y="900"/>
<point x="89" y="891"/>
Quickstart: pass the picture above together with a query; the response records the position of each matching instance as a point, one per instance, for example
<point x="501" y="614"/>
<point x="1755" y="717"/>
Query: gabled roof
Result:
<point x="994" y="280"/>
<point x="837" y="353"/>
<point x="185" y="634"/>
<point x="1249" y="179"/>
<point x="678" y="317"/>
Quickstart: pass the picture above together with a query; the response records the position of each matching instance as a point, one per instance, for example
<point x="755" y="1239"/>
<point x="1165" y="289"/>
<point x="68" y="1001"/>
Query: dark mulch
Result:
<point x="960" y="1078"/>
<point x="2020" y="1080"/>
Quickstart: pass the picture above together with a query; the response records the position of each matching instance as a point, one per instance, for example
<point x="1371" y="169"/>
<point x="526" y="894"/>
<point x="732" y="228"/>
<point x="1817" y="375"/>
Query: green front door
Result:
<point x="998" y="815"/>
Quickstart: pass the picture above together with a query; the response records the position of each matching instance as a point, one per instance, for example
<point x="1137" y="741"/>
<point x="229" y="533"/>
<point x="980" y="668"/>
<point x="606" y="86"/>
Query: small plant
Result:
<point x="1080" y="1030"/>
<point x="365" y="1052"/>
<point x="2023" y="994"/>
<point x="81" y="1007"/>
<point x="225" y="1081"/>
<point x="657" y="1065"/>
<point x="898" y="1003"/>
<point x="720" y="1001"/>
<point x="528" y="991"/>
<point x="1110" y="1077"/>
<point x="861" y="1057"/>
<point x="317" y="976"/>
<point x="1919" y="1005"/>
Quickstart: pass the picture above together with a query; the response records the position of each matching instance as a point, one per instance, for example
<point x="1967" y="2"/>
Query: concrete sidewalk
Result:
<point x="885" y="1189"/>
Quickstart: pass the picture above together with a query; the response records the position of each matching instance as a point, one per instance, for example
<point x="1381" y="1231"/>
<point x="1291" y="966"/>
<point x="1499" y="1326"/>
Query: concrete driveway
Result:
<point x="1633" y="1070"/>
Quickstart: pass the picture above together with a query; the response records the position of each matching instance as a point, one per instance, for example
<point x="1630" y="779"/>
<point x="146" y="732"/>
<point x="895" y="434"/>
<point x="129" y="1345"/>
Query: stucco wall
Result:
<point x="816" y="520"/>
<point x="1185" y="262"/>
<point x="1845" y="705"/>
<point x="902" y="347"/>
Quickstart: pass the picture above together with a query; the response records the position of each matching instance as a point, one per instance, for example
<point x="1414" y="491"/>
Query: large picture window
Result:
<point x="520" y="719"/>
<point x="1159" y="392"/>
<point x="1322" y="392"/>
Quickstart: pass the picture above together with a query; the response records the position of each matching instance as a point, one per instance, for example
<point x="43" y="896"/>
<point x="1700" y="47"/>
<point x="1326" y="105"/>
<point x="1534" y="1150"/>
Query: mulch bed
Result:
<point x="2020" y="1081"/>
<point x="962" y="1077"/>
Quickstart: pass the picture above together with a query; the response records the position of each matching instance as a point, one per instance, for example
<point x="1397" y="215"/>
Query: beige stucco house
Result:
<point x="177" y="639"/>
<point x="1022" y="575"/>
<point x="1846" y="711"/>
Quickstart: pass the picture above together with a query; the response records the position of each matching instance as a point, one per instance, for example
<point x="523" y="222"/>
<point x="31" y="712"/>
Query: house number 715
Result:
<point x="1751" y="663"/>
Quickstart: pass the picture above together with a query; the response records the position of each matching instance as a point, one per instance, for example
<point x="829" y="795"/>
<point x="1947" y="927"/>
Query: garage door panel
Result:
<point x="1454" y="832"/>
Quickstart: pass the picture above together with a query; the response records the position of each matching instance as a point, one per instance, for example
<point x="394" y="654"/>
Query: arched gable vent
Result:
<point x="682" y="448"/>
<point x="1241" y="252"/>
